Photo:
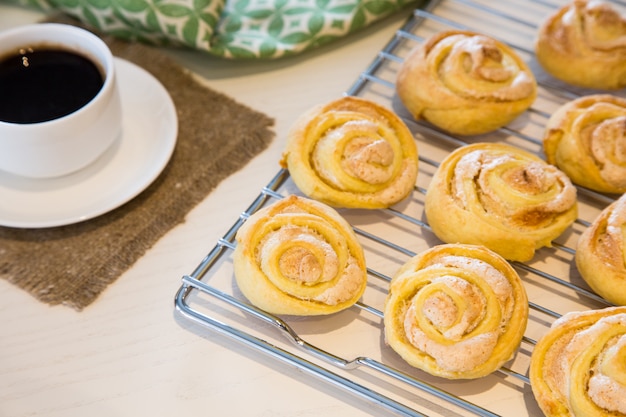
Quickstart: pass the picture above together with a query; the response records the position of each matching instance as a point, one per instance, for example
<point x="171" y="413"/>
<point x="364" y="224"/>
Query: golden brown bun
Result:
<point x="584" y="44"/>
<point x="300" y="257"/>
<point x="586" y="139"/>
<point x="600" y="253"/>
<point x="577" y="367"/>
<point x="502" y="197"/>
<point x="352" y="153"/>
<point x="465" y="83"/>
<point x="456" y="311"/>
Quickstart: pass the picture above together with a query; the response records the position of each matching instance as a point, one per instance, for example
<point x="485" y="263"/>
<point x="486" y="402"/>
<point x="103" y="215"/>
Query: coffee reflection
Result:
<point x="38" y="84"/>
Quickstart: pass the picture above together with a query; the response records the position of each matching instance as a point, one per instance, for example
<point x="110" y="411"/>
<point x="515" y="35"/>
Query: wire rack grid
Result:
<point x="347" y="349"/>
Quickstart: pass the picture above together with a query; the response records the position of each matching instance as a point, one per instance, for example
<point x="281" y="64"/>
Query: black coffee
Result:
<point x="43" y="84"/>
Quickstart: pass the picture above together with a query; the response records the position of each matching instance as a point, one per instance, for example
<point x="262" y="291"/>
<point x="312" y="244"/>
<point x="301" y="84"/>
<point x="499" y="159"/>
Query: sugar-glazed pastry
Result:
<point x="586" y="139"/>
<point x="502" y="197"/>
<point x="601" y="253"/>
<point x="584" y="44"/>
<point x="456" y="311"/>
<point x="578" y="367"/>
<point x="299" y="256"/>
<point x="352" y="153"/>
<point x="465" y="83"/>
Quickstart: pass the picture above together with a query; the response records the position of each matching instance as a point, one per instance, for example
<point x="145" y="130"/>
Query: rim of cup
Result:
<point x="39" y="34"/>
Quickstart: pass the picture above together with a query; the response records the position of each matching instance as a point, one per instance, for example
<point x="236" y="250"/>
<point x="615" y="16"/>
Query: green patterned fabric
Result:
<point x="228" y="28"/>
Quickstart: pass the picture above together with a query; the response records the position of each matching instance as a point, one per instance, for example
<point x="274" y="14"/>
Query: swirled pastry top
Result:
<point x="465" y="83"/>
<point x="456" y="311"/>
<point x="586" y="139"/>
<point x="577" y="368"/>
<point x="502" y="197"/>
<point x="584" y="43"/>
<point x="299" y="256"/>
<point x="601" y="253"/>
<point x="353" y="153"/>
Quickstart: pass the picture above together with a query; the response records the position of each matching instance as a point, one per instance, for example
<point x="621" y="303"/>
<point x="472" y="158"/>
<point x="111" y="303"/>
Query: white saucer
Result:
<point x="127" y="168"/>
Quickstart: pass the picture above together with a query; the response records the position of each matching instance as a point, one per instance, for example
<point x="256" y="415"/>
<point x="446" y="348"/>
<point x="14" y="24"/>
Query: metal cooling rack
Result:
<point x="347" y="349"/>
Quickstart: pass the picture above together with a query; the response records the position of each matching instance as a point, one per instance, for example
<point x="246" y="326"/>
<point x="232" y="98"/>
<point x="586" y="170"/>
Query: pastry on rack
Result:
<point x="352" y="153"/>
<point x="584" y="44"/>
<point x="465" y="83"/>
<point x="502" y="197"/>
<point x="456" y="311"/>
<point x="601" y="253"/>
<point x="299" y="256"/>
<point x="577" y="367"/>
<point x="586" y="139"/>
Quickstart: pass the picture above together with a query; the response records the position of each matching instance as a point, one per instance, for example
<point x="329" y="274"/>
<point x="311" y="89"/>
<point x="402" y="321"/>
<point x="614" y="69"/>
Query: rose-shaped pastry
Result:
<point x="502" y="197"/>
<point x="465" y="83"/>
<point x="578" y="367"/>
<point x="584" y="44"/>
<point x="300" y="257"/>
<point x="456" y="311"/>
<point x="586" y="139"/>
<point x="352" y="153"/>
<point x="601" y="253"/>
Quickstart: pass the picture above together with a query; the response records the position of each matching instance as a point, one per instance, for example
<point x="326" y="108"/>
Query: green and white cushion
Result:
<point x="228" y="28"/>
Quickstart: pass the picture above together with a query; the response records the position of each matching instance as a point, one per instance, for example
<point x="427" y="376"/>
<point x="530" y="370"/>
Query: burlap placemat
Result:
<point x="73" y="264"/>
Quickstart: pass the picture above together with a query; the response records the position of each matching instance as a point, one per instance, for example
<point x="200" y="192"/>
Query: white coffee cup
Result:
<point x="67" y="143"/>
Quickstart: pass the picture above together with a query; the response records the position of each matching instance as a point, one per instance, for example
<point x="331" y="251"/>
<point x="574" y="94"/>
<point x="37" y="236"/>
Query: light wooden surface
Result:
<point x="129" y="353"/>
